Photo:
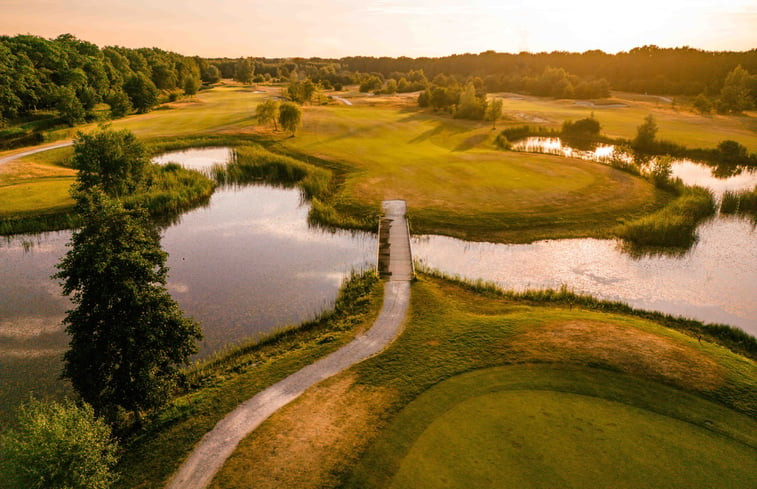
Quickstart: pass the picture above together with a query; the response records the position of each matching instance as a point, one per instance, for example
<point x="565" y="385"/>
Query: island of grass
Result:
<point x="482" y="389"/>
<point x="455" y="180"/>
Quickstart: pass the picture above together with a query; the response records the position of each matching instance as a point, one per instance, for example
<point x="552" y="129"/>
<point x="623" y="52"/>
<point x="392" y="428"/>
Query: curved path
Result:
<point x="16" y="156"/>
<point x="217" y="445"/>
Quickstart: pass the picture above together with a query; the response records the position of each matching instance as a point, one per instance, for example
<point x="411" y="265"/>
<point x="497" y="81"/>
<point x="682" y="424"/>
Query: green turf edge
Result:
<point x="382" y="460"/>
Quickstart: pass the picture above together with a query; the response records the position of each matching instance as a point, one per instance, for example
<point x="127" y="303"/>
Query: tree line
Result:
<point x="73" y="76"/>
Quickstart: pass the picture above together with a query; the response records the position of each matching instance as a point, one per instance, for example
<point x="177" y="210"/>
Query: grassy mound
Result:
<point x="349" y="431"/>
<point x="529" y="426"/>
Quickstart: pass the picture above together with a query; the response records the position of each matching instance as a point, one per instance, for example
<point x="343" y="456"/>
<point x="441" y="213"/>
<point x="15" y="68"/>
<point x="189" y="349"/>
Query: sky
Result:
<point x="337" y="28"/>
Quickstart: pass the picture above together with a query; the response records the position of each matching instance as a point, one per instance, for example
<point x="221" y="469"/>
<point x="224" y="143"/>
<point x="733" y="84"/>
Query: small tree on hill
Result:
<point x="645" y="134"/>
<point x="57" y="446"/>
<point x="494" y="111"/>
<point x="267" y="112"/>
<point x="290" y="117"/>
<point x="191" y="85"/>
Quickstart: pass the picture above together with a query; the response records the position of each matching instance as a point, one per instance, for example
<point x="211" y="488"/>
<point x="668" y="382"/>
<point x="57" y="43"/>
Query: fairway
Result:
<point x="678" y="125"/>
<point x="551" y="438"/>
<point x="455" y="180"/>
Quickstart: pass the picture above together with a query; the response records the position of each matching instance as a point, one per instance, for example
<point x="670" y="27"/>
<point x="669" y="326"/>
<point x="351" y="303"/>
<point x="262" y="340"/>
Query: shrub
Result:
<point x="57" y="446"/>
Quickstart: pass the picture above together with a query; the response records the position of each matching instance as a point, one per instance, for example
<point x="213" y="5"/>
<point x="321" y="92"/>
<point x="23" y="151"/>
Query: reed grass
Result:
<point x="673" y="225"/>
<point x="744" y="202"/>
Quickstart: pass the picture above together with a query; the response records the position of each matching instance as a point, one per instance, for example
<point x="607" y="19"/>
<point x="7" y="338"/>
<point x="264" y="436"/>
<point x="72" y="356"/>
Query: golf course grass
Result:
<point x="484" y="389"/>
<point x="530" y="427"/>
<point x="455" y="181"/>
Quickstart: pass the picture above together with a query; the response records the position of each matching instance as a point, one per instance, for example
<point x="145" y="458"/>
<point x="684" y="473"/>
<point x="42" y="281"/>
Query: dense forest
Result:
<point x="79" y="81"/>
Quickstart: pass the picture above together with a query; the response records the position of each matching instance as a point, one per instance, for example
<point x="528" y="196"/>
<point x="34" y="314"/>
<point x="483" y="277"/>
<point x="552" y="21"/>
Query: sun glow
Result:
<point x="335" y="28"/>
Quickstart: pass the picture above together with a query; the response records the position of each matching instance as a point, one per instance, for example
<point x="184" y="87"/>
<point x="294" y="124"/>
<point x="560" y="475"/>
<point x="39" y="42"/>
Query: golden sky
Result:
<point x="336" y="28"/>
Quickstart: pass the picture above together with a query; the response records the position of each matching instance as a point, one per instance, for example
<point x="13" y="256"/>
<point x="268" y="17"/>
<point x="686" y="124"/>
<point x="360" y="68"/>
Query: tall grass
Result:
<point x="39" y="223"/>
<point x="744" y="202"/>
<point x="732" y="338"/>
<point x="254" y="163"/>
<point x="674" y="224"/>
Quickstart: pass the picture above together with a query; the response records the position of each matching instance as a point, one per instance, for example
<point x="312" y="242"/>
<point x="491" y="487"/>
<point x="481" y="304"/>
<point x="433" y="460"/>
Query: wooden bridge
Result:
<point x="395" y="258"/>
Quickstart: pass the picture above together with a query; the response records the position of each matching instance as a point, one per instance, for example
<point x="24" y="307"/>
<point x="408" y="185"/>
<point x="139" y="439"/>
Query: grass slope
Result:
<point x="456" y="183"/>
<point x="533" y="427"/>
<point x="349" y="431"/>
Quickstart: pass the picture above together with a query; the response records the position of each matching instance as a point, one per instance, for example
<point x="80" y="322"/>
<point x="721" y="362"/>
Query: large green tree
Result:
<point x="57" y="446"/>
<point x="267" y="112"/>
<point x="142" y="92"/>
<point x="243" y="71"/>
<point x="735" y="95"/>
<point x="113" y="160"/>
<point x="290" y="117"/>
<point x="128" y="336"/>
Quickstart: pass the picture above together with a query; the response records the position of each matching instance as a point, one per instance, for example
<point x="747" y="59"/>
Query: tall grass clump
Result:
<point x="171" y="189"/>
<point x="674" y="224"/>
<point x="744" y="202"/>
<point x="39" y="224"/>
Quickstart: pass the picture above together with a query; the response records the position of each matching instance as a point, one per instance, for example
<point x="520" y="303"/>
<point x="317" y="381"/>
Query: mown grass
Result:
<point x="216" y="386"/>
<point x="454" y="329"/>
<point x="455" y="181"/>
<point x="673" y="225"/>
<point x="677" y="125"/>
<point x="544" y="341"/>
<point x="531" y="427"/>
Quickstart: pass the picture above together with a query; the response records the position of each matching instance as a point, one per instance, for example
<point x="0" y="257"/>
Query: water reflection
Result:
<point x="715" y="281"/>
<point x="716" y="178"/>
<point x="245" y="264"/>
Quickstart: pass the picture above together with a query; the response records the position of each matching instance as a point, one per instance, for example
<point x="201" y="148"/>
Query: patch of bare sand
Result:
<point x="625" y="348"/>
<point x="307" y="443"/>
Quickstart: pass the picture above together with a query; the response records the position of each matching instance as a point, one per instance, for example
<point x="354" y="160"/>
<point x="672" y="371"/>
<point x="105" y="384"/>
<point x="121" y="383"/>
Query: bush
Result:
<point x="673" y="225"/>
<point x="732" y="152"/>
<point x="57" y="446"/>
<point x="582" y="129"/>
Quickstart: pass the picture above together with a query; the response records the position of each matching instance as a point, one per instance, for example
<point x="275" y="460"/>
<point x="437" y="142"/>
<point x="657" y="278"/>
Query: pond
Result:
<point x="714" y="281"/>
<point x="690" y="172"/>
<point x="245" y="264"/>
<point x="248" y="263"/>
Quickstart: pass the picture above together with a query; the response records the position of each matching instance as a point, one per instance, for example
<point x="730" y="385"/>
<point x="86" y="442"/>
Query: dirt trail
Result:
<point x="216" y="446"/>
<point x="16" y="156"/>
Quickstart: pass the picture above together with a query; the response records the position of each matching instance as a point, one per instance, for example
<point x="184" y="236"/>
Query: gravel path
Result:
<point x="34" y="151"/>
<point x="216" y="446"/>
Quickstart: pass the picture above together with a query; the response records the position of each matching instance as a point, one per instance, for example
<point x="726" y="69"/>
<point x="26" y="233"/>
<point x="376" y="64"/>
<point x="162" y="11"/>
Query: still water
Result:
<point x="714" y="281"/>
<point x="248" y="263"/>
<point x="245" y="264"/>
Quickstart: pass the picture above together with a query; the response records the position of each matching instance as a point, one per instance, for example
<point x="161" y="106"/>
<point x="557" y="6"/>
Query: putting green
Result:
<point x="542" y="427"/>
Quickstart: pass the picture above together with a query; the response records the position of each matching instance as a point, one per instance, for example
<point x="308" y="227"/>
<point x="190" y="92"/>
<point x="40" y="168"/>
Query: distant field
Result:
<point x="454" y="179"/>
<point x="680" y="126"/>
